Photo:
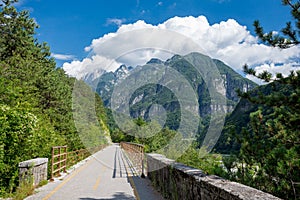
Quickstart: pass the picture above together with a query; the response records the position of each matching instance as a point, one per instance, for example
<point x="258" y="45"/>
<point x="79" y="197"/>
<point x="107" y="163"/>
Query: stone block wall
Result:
<point x="178" y="181"/>
<point x="35" y="168"/>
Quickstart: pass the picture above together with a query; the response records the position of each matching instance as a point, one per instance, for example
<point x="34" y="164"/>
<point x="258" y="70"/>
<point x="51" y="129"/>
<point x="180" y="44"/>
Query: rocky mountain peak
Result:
<point x="122" y="71"/>
<point x="155" y="61"/>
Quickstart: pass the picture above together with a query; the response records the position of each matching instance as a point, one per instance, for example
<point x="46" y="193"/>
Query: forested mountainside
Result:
<point x="239" y="118"/>
<point x="41" y="107"/>
<point x="231" y="80"/>
<point x="144" y="97"/>
<point x="35" y="98"/>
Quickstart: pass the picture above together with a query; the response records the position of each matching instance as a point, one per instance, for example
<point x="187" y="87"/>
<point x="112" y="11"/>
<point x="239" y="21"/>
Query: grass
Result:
<point x="24" y="190"/>
<point x="42" y="183"/>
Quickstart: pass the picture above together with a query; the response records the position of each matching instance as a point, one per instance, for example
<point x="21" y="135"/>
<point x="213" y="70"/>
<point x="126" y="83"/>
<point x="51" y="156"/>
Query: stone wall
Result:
<point x="178" y="181"/>
<point x="35" y="168"/>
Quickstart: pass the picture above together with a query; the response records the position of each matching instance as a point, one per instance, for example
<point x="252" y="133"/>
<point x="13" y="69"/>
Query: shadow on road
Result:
<point x="144" y="188"/>
<point x="117" y="196"/>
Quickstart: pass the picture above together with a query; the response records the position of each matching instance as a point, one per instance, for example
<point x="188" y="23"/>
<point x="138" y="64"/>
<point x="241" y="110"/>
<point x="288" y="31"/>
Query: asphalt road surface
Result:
<point x="106" y="175"/>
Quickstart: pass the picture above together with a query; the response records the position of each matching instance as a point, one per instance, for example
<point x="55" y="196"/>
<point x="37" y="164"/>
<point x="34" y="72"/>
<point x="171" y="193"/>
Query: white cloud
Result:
<point x="227" y="40"/>
<point x="160" y="3"/>
<point x="94" y="64"/>
<point x="284" y="69"/>
<point x="62" y="56"/>
<point x="115" y="21"/>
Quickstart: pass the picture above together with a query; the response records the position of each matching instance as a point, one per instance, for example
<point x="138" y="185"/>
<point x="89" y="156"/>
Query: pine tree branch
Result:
<point x="290" y="35"/>
<point x="288" y="2"/>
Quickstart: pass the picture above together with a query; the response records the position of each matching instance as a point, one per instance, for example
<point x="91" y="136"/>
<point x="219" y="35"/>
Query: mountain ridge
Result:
<point x="224" y="88"/>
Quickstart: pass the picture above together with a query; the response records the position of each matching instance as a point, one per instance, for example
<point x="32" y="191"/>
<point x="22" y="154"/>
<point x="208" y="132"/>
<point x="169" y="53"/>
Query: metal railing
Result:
<point x="62" y="159"/>
<point x="78" y="155"/>
<point x="59" y="160"/>
<point x="135" y="153"/>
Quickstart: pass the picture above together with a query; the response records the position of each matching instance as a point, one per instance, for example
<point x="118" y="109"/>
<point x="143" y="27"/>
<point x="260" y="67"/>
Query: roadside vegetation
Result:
<point x="35" y="99"/>
<point x="264" y="146"/>
<point x="36" y="113"/>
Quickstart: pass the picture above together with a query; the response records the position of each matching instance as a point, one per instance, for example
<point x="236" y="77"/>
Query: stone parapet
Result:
<point x="178" y="181"/>
<point x="35" y="169"/>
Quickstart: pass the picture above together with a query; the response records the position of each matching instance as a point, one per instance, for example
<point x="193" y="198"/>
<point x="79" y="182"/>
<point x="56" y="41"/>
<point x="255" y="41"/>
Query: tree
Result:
<point x="290" y="35"/>
<point x="270" y="145"/>
<point x="35" y="98"/>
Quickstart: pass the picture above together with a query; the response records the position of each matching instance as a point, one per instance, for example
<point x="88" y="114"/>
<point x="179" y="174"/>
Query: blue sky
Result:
<point x="70" y="26"/>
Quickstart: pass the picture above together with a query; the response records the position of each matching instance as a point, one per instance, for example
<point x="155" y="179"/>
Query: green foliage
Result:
<point x="43" y="182"/>
<point x="199" y="158"/>
<point x="270" y="155"/>
<point x="23" y="136"/>
<point x="290" y="35"/>
<point x="89" y="116"/>
<point x="269" y="137"/>
<point x="160" y="143"/>
<point x="270" y="144"/>
<point x="149" y="134"/>
<point x="35" y="98"/>
<point x="24" y="190"/>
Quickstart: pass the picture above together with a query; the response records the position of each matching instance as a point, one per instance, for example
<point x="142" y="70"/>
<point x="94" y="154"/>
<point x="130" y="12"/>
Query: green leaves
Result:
<point x="201" y="159"/>
<point x="248" y="70"/>
<point x="290" y="35"/>
<point x="17" y="127"/>
<point x="35" y="98"/>
<point x="271" y="141"/>
<point x="270" y="144"/>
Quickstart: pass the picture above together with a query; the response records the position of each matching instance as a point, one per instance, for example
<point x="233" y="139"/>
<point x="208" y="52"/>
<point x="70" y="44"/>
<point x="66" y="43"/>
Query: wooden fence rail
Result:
<point x="59" y="160"/>
<point x="76" y="156"/>
<point x="135" y="153"/>
<point x="62" y="159"/>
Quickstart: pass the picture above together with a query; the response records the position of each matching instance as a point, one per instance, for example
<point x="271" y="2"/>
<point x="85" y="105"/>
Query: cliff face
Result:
<point x="239" y="118"/>
<point x="197" y="70"/>
<point x="227" y="87"/>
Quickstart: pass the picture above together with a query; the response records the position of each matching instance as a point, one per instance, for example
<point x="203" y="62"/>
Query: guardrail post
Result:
<point x="59" y="159"/>
<point x="66" y="157"/>
<point x="52" y="165"/>
<point x="143" y="174"/>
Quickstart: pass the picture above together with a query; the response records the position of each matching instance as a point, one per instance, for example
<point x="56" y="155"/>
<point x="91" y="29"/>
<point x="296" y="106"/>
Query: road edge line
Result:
<point x="65" y="181"/>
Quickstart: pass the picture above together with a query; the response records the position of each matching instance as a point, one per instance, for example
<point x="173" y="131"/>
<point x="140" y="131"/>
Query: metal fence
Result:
<point x="62" y="159"/>
<point x="59" y="160"/>
<point x="136" y="155"/>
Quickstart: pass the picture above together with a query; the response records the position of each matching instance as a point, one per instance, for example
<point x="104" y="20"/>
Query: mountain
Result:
<point x="92" y="78"/>
<point x="106" y="82"/>
<point x="196" y="69"/>
<point x="239" y="118"/>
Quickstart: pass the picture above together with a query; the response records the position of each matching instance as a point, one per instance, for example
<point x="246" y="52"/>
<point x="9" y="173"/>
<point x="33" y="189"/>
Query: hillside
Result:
<point x="224" y="89"/>
<point x="240" y="116"/>
<point x="35" y="99"/>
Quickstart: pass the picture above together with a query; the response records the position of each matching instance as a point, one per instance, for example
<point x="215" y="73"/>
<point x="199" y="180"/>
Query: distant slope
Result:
<point x="144" y="97"/>
<point x="240" y="116"/>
